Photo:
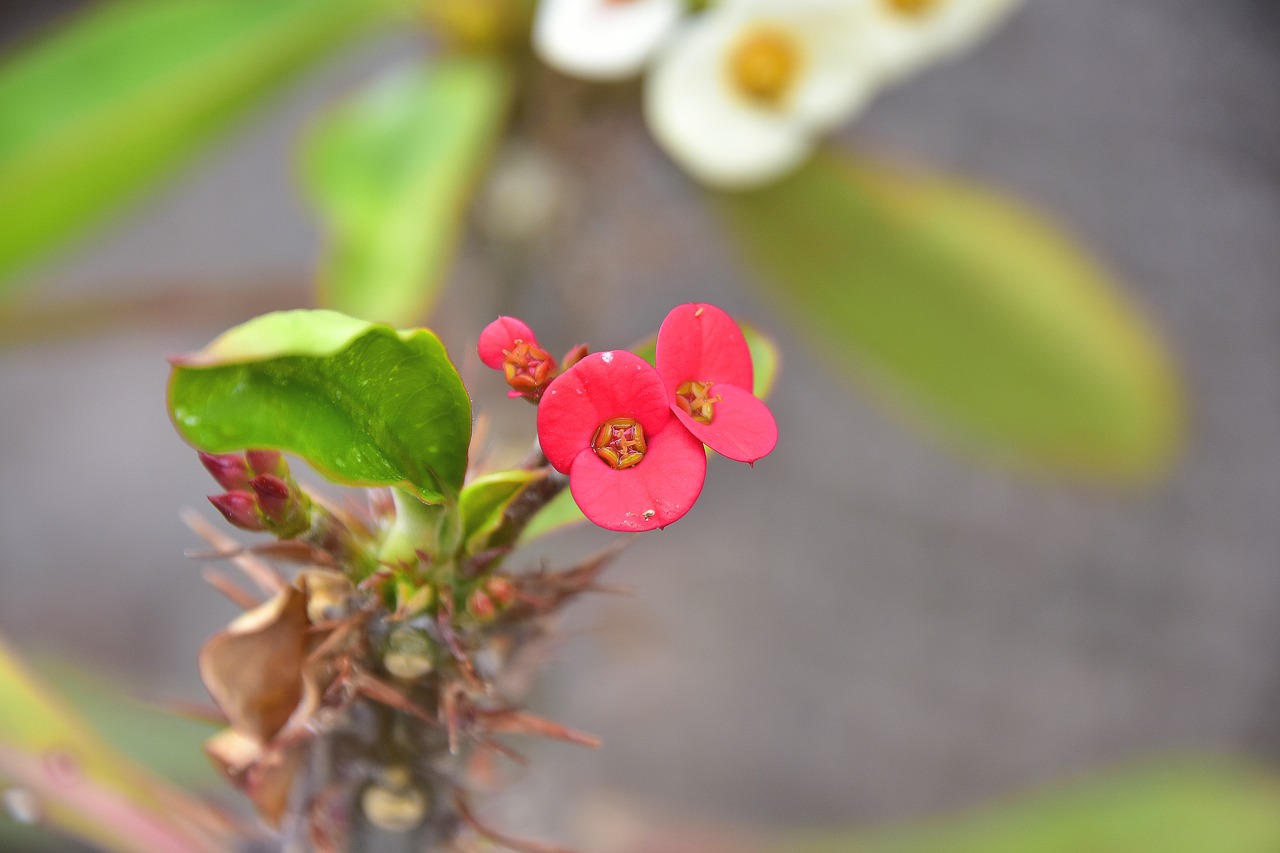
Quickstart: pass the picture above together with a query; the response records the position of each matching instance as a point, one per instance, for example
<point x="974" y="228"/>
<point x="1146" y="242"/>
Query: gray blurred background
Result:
<point x="866" y="631"/>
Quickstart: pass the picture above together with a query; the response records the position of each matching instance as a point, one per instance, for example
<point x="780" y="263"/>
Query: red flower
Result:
<point x="509" y="345"/>
<point x="705" y="367"/>
<point x="606" y="422"/>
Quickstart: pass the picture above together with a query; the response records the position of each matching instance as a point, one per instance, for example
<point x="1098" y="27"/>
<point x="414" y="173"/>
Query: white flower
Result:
<point x="907" y="34"/>
<point x="740" y="94"/>
<point x="602" y="39"/>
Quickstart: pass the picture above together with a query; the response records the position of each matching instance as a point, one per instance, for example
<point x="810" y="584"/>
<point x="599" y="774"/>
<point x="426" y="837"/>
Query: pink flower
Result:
<point x="607" y="423"/>
<point x="509" y="345"/>
<point x="705" y="367"/>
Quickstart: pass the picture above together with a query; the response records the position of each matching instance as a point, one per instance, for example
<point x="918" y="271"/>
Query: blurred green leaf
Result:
<point x="1188" y="806"/>
<point x="485" y="499"/>
<point x="160" y="740"/>
<point x="98" y="794"/>
<point x="362" y="403"/>
<point x="967" y="307"/>
<point x="391" y="172"/>
<point x="118" y="96"/>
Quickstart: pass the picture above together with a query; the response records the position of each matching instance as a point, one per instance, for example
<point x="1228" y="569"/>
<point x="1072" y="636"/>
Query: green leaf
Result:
<point x="100" y="795"/>
<point x="160" y="740"/>
<point x="120" y="95"/>
<point x="364" y="404"/>
<point x="391" y="172"/>
<point x="1187" y="806"/>
<point x="485" y="499"/>
<point x="967" y="308"/>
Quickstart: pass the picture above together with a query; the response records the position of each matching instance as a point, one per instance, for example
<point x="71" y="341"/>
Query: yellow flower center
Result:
<point x="913" y="8"/>
<point x="527" y="367"/>
<point x="620" y="442"/>
<point x="695" y="399"/>
<point x="764" y="65"/>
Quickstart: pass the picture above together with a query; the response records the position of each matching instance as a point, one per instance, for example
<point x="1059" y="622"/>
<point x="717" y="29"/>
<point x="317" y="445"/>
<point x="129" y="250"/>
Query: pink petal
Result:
<point x="700" y="342"/>
<point x="742" y="427"/>
<point x="658" y="491"/>
<point x="502" y="334"/>
<point x="604" y="385"/>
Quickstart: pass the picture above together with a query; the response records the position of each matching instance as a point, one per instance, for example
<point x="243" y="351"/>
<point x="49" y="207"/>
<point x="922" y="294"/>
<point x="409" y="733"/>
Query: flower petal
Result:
<point x="700" y="342"/>
<point x="904" y="43"/>
<point x="713" y="133"/>
<point x="658" y="491"/>
<point x="602" y="39"/>
<point x="722" y="136"/>
<point x="604" y="385"/>
<point x="742" y="429"/>
<point x="502" y="334"/>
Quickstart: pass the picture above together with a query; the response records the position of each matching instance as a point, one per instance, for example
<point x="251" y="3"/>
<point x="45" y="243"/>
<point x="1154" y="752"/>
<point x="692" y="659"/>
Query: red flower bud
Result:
<point x="274" y="496"/>
<point x="229" y="469"/>
<point x="267" y="462"/>
<point x="574" y="356"/>
<point x="240" y="509"/>
<point x="481" y="606"/>
<point x="501" y="591"/>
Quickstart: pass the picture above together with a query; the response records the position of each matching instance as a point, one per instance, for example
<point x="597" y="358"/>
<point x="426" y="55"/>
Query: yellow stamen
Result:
<point x="913" y="8"/>
<point x="764" y="65"/>
<point x="620" y="442"/>
<point x="695" y="399"/>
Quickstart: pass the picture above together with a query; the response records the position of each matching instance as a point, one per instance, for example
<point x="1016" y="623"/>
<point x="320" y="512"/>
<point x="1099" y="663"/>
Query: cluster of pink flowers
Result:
<point x="631" y="435"/>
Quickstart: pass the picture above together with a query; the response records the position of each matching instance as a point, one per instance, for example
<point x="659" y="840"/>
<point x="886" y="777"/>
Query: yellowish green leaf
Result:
<point x="968" y="310"/>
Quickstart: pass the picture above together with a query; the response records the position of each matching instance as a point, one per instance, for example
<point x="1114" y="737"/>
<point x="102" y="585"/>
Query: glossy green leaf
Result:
<point x="362" y="403"/>
<point x="485" y="499"/>
<point x="99" y="795"/>
<point x="969" y="309"/>
<point x="391" y="172"/>
<point x="118" y="96"/>
<point x="1173" y="807"/>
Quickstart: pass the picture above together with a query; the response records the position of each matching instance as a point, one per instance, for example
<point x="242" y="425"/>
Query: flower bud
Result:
<point x="500" y="591"/>
<point x="481" y="606"/>
<point x="574" y="356"/>
<point x="283" y="506"/>
<point x="267" y="462"/>
<point x="229" y="469"/>
<point x="240" y="509"/>
<point x="273" y="496"/>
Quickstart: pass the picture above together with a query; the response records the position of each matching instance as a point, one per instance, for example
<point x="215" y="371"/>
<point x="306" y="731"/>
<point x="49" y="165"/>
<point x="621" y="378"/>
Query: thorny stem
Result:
<point x="388" y="755"/>
<point x="535" y="497"/>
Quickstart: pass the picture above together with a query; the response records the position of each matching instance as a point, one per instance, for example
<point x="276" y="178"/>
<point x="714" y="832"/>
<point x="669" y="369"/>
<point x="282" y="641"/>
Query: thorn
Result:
<point x="224" y="585"/>
<point x="523" y="845"/>
<point x="256" y="570"/>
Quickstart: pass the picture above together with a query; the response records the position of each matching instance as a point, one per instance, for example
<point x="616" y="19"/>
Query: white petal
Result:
<point x="721" y="135"/>
<point x="905" y="43"/>
<point x="602" y="39"/>
<point x="839" y="74"/>
<point x="712" y="132"/>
